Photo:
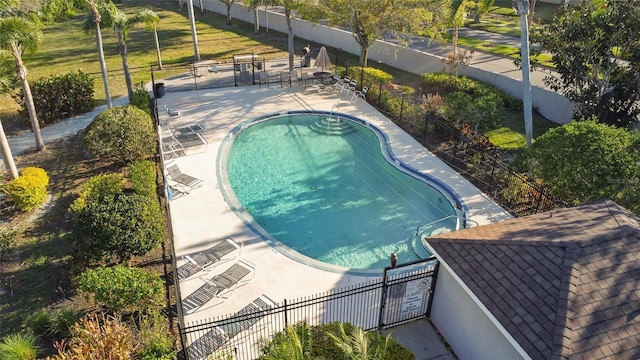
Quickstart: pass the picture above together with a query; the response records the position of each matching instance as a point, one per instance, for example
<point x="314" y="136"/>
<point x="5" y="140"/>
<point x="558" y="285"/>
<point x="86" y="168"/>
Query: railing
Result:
<point x="401" y="295"/>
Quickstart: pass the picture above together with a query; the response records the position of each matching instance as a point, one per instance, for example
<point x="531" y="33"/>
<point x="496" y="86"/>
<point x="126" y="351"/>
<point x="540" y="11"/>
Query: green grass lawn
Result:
<point x="511" y="136"/>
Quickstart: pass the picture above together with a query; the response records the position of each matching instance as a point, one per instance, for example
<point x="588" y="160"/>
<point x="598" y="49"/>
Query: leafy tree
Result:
<point x="457" y="11"/>
<point x="369" y="20"/>
<point x="124" y="133"/>
<point x="585" y="160"/>
<point x="7" y="81"/>
<point x="93" y="23"/>
<point x="120" y="226"/>
<point x="596" y="51"/>
<point x="17" y="35"/>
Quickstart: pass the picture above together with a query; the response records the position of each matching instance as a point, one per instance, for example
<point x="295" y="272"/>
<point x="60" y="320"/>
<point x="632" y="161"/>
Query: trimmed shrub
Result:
<point x="60" y="96"/>
<point x="142" y="176"/>
<point x="371" y="77"/>
<point x="119" y="226"/>
<point x="121" y="133"/>
<point x="97" y="337"/>
<point x="30" y="189"/>
<point x="19" y="347"/>
<point x="140" y="98"/>
<point x="123" y="289"/>
<point x="97" y="188"/>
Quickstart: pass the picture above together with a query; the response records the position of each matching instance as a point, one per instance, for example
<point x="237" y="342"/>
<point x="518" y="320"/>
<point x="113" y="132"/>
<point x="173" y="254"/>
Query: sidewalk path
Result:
<point x="23" y="142"/>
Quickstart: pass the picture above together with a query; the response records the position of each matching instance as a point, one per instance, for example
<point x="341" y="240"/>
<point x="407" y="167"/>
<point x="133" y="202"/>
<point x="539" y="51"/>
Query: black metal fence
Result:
<point x="467" y="152"/>
<point x="402" y="295"/>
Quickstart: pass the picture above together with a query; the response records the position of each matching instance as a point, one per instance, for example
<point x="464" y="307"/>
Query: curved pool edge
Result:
<point x="458" y="205"/>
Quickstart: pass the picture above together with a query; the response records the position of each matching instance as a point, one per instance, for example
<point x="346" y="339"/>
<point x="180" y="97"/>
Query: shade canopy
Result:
<point x="322" y="60"/>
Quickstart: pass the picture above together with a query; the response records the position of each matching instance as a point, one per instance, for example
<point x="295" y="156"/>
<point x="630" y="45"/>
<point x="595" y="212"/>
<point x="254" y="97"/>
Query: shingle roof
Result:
<point x="565" y="284"/>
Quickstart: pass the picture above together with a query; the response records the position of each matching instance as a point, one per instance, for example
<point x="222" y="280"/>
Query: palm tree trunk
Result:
<point x="6" y="155"/>
<point x="256" y="19"/>
<point x="122" y="48"/>
<point x="28" y="98"/>
<point x="290" y="38"/>
<point x="194" y="34"/>
<point x="103" y="65"/>
<point x="155" y="36"/>
<point x="522" y="6"/>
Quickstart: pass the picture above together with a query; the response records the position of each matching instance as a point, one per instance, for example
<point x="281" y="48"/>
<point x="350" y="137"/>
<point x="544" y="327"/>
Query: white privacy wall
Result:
<point x="549" y="104"/>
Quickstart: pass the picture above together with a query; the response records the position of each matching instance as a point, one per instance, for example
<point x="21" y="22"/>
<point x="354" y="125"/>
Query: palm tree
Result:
<point x="19" y="34"/>
<point x="7" y="80"/>
<point x="522" y="8"/>
<point x="228" y="4"/>
<point x="151" y="20"/>
<point x="289" y="6"/>
<point x="94" y="22"/>
<point x="122" y="24"/>
<point x="253" y="5"/>
<point x="457" y="9"/>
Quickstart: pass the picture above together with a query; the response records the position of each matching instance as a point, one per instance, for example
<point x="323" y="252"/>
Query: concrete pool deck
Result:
<point x="203" y="218"/>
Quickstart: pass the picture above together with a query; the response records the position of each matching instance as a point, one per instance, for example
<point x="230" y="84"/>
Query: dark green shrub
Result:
<point x="60" y="96"/>
<point x="119" y="227"/>
<point x="122" y="133"/>
<point x="30" y="189"/>
<point x="123" y="289"/>
<point x="19" y="347"/>
<point x="140" y="98"/>
<point x="98" y="187"/>
<point x="486" y="111"/>
<point x="39" y="322"/>
<point x="44" y="323"/>
<point x="7" y="240"/>
<point x="142" y="176"/>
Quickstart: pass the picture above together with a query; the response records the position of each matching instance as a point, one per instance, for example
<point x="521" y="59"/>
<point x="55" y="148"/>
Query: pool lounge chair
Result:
<point x="172" y="112"/>
<point x="209" y="259"/>
<point x="220" y="286"/>
<point x="184" y="180"/>
<point x="241" y="321"/>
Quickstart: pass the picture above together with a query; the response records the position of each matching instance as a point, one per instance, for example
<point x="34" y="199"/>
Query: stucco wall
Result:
<point x="470" y="332"/>
<point x="549" y="104"/>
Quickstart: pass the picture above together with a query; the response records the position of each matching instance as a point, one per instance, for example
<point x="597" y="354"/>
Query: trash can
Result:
<point x="159" y="90"/>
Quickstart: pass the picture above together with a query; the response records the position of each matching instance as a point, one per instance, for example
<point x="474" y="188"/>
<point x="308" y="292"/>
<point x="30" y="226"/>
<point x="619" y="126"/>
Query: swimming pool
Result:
<point x="328" y="187"/>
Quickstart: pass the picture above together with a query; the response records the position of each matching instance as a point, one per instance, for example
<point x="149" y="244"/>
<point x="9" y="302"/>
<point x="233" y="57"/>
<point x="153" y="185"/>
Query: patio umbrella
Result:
<point x="323" y="61"/>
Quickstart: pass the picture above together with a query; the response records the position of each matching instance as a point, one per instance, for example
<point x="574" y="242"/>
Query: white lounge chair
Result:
<point x="220" y="286"/>
<point x="209" y="259"/>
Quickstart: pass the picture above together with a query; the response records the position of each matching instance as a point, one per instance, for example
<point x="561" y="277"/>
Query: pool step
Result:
<point x="418" y="243"/>
<point x="332" y="126"/>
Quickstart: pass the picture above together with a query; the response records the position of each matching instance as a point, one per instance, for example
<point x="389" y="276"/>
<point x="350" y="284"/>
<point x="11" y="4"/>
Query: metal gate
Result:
<point x="403" y="294"/>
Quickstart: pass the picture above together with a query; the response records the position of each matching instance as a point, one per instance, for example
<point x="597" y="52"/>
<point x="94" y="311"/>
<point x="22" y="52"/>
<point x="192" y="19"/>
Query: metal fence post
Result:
<point x="401" y="107"/>
<point x="380" y="94"/>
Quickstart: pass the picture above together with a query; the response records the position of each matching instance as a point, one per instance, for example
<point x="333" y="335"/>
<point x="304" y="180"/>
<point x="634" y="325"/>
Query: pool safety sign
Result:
<point x="414" y="296"/>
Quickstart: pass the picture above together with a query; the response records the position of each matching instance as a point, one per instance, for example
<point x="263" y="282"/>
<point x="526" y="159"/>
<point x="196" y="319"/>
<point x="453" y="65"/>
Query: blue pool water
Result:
<point x="332" y="198"/>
